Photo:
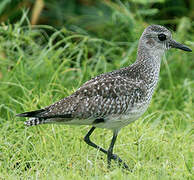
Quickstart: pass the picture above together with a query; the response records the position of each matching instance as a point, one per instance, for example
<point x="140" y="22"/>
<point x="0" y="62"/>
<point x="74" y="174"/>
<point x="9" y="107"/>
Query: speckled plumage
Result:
<point x="119" y="97"/>
<point x="108" y="96"/>
<point x="115" y="99"/>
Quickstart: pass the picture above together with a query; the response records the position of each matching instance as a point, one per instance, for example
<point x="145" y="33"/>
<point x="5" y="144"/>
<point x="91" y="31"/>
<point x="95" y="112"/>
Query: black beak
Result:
<point x="174" y="44"/>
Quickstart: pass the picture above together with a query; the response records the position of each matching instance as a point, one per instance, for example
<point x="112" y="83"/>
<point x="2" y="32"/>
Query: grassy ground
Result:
<point x="37" y="69"/>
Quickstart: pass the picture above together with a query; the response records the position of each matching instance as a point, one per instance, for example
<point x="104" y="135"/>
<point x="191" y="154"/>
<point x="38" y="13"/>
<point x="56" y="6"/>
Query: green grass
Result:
<point x="39" y="68"/>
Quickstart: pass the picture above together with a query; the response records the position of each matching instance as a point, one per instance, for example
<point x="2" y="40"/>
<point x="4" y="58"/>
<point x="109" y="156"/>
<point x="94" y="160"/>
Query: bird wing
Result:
<point x="94" y="100"/>
<point x="107" y="96"/>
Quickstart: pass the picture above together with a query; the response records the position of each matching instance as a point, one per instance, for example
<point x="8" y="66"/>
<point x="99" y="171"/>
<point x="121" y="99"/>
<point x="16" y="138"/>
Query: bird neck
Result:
<point x="149" y="62"/>
<point x="149" y="56"/>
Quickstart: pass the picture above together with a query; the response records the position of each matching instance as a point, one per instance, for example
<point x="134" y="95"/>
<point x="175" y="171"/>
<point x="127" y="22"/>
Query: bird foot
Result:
<point x="119" y="160"/>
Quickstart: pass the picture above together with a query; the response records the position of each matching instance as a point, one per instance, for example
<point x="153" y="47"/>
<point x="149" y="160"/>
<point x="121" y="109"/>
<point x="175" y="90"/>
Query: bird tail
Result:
<point x="31" y="113"/>
<point x="35" y="121"/>
<point x="35" y="117"/>
<point x="41" y="117"/>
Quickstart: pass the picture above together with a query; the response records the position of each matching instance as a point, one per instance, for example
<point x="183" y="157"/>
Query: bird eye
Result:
<point x="162" y="37"/>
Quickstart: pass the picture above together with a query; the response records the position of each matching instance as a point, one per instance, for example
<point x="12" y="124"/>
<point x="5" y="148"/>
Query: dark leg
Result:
<point x="110" y="149"/>
<point x="109" y="153"/>
<point x="90" y="143"/>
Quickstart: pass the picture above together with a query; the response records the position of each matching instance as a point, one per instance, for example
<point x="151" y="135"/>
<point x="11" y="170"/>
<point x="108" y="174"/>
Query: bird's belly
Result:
<point x="119" y="121"/>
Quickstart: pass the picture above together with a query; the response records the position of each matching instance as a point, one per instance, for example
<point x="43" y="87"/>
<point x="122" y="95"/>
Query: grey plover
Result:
<point x="114" y="99"/>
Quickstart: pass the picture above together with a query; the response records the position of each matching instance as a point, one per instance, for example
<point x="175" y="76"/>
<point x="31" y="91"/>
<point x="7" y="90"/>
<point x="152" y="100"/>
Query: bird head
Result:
<point x="159" y="38"/>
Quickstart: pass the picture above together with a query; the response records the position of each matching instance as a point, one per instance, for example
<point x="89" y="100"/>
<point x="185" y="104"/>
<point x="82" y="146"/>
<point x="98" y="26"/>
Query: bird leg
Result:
<point x="109" y="153"/>
<point x="110" y="150"/>
<point x="90" y="143"/>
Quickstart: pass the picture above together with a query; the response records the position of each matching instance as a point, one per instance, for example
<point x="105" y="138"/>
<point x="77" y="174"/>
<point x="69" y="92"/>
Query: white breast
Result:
<point x="119" y="121"/>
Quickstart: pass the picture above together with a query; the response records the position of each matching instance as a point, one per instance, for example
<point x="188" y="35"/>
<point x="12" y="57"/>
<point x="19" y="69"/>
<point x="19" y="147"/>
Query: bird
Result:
<point x="114" y="99"/>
